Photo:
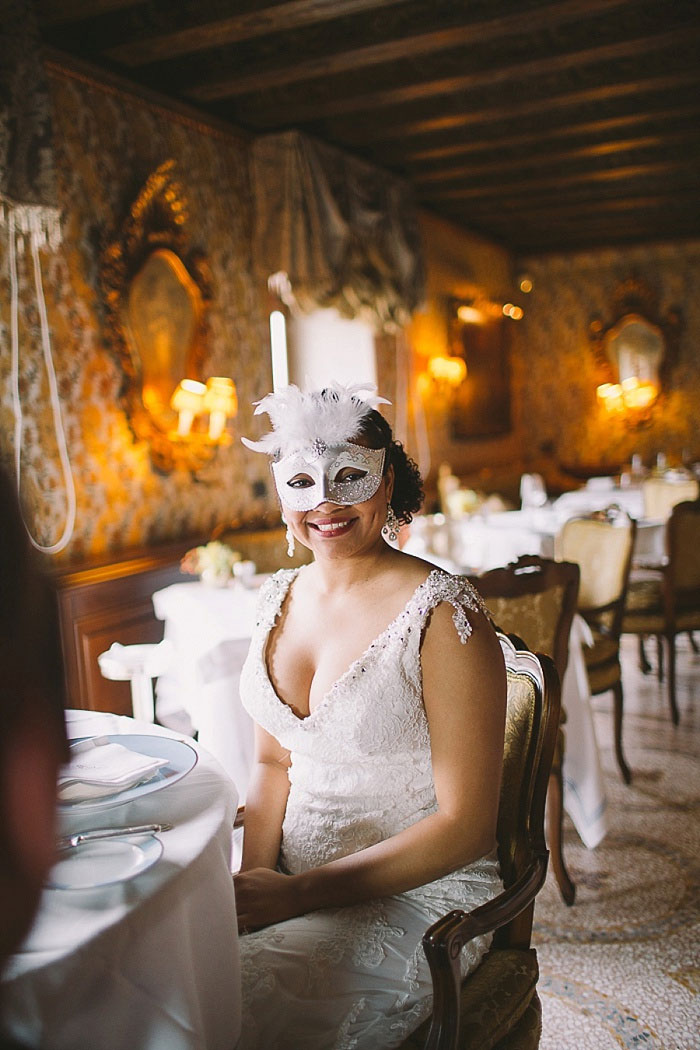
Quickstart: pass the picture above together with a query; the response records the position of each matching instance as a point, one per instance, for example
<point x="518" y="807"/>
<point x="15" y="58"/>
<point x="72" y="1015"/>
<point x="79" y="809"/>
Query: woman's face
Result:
<point x="324" y="502"/>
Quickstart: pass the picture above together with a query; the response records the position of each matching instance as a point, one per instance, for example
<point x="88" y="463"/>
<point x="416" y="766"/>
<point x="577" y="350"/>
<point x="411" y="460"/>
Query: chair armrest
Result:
<point x="444" y="940"/>
<point x="239" y="818"/>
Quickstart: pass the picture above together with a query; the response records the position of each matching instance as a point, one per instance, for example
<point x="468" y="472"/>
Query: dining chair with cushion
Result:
<point x="666" y="602"/>
<point x="660" y="495"/>
<point x="602" y="544"/>
<point x="497" y="1007"/>
<point x="535" y="598"/>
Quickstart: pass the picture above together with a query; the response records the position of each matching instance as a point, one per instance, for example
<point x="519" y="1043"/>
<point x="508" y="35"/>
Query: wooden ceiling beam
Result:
<point x="56" y="12"/>
<point x="244" y="25"/>
<point x="401" y="49"/>
<point x="593" y="129"/>
<point x="542" y="159"/>
<point x="516" y="73"/>
<point x="543" y="207"/>
<point x="476" y="115"/>
<point x="558" y="182"/>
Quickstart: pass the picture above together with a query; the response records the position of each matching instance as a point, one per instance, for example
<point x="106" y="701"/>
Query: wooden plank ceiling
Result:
<point x="542" y="124"/>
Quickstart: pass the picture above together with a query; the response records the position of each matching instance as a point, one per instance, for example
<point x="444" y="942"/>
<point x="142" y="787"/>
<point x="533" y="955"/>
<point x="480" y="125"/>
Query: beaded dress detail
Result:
<point x="354" y="978"/>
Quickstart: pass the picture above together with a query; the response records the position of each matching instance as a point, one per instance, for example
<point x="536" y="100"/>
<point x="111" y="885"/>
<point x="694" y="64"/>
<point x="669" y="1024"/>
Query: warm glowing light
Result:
<point x="631" y="396"/>
<point x="188" y="402"/>
<point x="221" y="402"/>
<point x="638" y="393"/>
<point x="514" y="312"/>
<point x="526" y="284"/>
<point x="469" y="314"/>
<point x="449" y="370"/>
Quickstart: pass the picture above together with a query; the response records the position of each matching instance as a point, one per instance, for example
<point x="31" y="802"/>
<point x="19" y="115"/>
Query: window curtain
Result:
<point x="28" y="191"/>
<point x="343" y="232"/>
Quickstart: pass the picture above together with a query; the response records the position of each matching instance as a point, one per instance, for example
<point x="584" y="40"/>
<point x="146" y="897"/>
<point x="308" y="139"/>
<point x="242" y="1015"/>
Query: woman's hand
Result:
<point x="264" y="897"/>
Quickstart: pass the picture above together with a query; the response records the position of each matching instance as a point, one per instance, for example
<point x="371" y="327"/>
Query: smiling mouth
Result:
<point x="332" y="528"/>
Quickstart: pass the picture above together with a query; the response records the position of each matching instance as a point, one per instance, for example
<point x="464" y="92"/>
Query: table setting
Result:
<point x="135" y="941"/>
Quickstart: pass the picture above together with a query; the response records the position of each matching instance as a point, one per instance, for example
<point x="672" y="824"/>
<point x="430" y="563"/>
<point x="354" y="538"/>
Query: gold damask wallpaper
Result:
<point x="554" y="367"/>
<point x="107" y="143"/>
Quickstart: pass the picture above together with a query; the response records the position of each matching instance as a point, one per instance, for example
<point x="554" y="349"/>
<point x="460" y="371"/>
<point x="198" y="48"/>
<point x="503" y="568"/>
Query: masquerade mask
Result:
<point x="341" y="473"/>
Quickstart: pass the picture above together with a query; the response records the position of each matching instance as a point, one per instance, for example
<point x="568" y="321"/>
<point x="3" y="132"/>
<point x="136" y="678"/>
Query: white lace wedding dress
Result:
<point x="354" y="978"/>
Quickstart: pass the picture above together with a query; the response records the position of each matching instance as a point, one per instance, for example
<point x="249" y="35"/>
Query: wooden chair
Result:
<point x="497" y="1007"/>
<point x="535" y="598"/>
<point x="602" y="545"/>
<point x="666" y="602"/>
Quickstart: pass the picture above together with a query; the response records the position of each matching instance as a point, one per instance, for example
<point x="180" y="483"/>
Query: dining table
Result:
<point x="135" y="952"/>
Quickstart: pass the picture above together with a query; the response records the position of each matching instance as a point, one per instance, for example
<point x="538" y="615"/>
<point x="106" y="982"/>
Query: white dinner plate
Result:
<point x="181" y="758"/>
<point x="103" y="862"/>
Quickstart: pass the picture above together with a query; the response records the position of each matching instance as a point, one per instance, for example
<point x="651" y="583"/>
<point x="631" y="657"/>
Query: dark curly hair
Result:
<point x="407" y="497"/>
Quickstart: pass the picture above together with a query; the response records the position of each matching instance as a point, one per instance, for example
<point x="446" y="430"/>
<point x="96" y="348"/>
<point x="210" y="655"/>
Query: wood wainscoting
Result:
<point x="107" y="603"/>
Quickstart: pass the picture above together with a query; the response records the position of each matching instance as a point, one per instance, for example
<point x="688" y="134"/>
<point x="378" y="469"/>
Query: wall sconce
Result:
<point x="632" y="398"/>
<point x="221" y="402"/>
<point x="442" y="375"/>
<point x="193" y="400"/>
<point x="188" y="402"/>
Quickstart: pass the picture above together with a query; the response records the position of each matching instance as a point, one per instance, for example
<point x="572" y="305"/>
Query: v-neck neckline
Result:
<point x="323" y="702"/>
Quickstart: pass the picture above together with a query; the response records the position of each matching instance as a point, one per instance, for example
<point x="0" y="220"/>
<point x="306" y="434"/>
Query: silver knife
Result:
<point x="110" y="833"/>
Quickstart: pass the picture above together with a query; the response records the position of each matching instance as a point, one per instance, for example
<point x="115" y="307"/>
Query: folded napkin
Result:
<point x="99" y="767"/>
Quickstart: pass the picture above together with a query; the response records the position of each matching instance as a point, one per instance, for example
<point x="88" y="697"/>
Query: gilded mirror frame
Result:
<point x="634" y="303"/>
<point x="157" y="293"/>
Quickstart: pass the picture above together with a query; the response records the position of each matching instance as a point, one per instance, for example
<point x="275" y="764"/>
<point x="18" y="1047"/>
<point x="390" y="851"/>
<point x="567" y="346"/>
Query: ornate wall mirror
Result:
<point x="156" y="295"/>
<point x="637" y="344"/>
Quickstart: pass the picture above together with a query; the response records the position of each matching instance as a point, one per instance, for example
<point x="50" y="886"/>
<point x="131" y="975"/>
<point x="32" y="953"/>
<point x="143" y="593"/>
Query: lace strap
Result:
<point x="271" y="596"/>
<point x="441" y="586"/>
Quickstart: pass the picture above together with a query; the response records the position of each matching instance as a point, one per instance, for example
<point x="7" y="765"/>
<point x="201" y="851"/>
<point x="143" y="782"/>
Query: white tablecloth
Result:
<point x="584" y="791"/>
<point x="151" y="963"/>
<point x="210" y="629"/>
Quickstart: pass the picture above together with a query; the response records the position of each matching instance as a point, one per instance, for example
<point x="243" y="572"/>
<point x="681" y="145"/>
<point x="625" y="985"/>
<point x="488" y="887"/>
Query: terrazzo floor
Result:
<point x="621" y="967"/>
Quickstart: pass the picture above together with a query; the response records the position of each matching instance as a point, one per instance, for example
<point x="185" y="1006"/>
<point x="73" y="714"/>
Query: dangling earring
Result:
<point x="391" y="526"/>
<point x="290" y="542"/>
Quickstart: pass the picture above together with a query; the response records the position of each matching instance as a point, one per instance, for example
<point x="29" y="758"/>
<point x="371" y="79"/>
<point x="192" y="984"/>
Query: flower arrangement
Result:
<point x="213" y="562"/>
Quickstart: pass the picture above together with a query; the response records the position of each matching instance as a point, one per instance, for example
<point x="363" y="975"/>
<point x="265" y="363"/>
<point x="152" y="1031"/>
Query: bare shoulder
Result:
<point x="442" y="638"/>
<point x="449" y="661"/>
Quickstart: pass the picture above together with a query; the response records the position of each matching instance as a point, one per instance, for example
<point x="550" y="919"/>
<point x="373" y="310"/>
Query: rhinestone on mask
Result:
<point x="319" y="447"/>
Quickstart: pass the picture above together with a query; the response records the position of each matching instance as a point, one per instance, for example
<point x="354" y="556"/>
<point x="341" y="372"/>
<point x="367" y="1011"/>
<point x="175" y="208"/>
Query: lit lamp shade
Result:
<point x="638" y="393"/>
<point x="449" y="370"/>
<point x="221" y="402"/>
<point x="188" y="402"/>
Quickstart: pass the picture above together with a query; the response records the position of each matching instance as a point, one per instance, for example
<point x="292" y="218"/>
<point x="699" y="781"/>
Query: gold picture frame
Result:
<point x="156" y="297"/>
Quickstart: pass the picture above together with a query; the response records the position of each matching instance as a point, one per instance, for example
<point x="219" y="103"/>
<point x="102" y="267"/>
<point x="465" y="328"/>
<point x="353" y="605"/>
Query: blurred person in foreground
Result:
<point x="32" y="728"/>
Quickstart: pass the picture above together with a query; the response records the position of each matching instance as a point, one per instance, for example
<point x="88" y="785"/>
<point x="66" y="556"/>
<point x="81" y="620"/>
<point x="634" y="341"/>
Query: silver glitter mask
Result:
<point x="315" y="475"/>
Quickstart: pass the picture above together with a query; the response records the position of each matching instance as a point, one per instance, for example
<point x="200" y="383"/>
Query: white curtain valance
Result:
<point x="345" y="233"/>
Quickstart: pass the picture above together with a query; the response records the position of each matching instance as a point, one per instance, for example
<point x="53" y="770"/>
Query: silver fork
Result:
<point x="110" y="833"/>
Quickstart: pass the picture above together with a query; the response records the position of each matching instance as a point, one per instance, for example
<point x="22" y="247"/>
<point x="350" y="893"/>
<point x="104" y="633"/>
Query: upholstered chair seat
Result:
<point x="535" y="598"/>
<point x="496" y="1007"/>
<point x="601" y="544"/>
<point x="666" y="602"/>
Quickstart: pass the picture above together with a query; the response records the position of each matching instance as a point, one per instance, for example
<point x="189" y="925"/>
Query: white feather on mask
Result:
<point x="332" y="415"/>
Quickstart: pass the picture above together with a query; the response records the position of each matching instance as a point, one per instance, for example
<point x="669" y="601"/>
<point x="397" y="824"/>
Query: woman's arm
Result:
<point x="464" y="691"/>
<point x="266" y="800"/>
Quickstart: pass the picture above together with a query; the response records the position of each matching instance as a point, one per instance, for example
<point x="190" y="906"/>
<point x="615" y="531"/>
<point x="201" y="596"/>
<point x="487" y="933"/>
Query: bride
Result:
<point x="378" y="689"/>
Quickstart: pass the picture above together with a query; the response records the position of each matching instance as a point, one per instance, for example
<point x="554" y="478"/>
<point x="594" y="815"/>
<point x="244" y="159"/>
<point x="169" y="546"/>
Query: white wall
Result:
<point x="324" y="346"/>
